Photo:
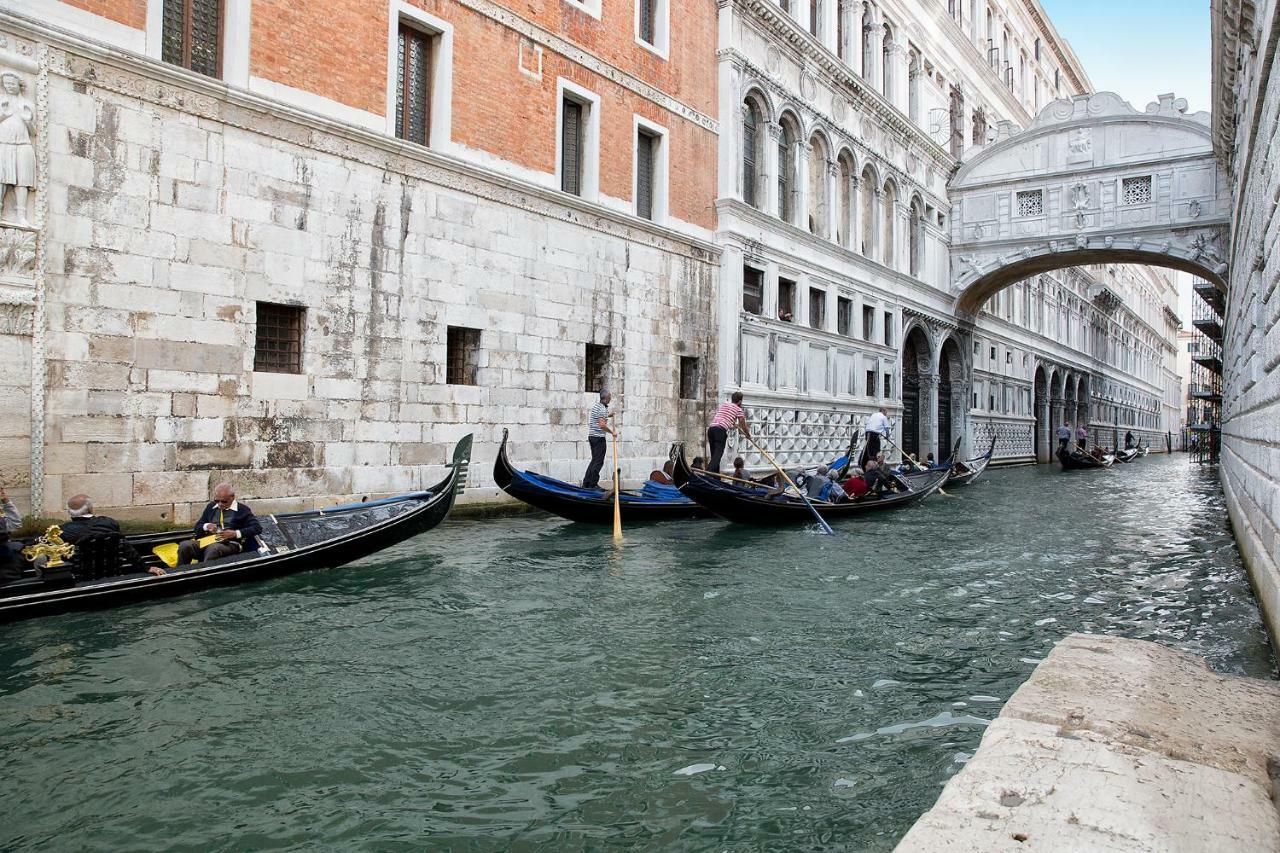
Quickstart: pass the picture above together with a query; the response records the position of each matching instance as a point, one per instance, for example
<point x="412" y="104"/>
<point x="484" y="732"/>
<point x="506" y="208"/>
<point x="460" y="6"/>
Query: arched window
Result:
<point x="818" y="202"/>
<point x="786" y="171"/>
<point x="916" y="236"/>
<point x="844" y="201"/>
<point x="888" y="203"/>
<point x="869" y="188"/>
<point x="752" y="151"/>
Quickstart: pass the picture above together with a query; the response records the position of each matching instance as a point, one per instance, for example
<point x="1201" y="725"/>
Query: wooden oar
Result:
<point x="617" y="488"/>
<point x="758" y="485"/>
<point x="822" y="522"/>
<point x="915" y="461"/>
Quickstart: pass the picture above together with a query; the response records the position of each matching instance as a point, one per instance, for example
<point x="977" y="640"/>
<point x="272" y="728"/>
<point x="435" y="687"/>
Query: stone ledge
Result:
<point x="1117" y="745"/>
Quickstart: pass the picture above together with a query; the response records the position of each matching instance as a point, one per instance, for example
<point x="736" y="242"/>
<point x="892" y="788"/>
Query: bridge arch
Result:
<point x="1092" y="180"/>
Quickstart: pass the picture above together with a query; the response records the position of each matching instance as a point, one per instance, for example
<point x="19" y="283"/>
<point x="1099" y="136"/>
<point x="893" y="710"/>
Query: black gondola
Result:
<point x="1077" y="461"/>
<point x="973" y="467"/>
<point x="654" y="502"/>
<point x="747" y="505"/>
<point x="1126" y="455"/>
<point x="292" y="541"/>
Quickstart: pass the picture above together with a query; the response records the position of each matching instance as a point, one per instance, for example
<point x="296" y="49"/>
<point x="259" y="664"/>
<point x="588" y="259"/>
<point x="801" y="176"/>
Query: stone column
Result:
<point x="729" y="367"/>
<point x="877" y="226"/>
<point x="929" y="383"/>
<point x="897" y="93"/>
<point x="1058" y="415"/>
<point x="872" y="39"/>
<point x="800" y="209"/>
<point x="769" y="200"/>
<point x="829" y="25"/>
<point x="855" y="214"/>
<point x="961" y="394"/>
<point x="832" y="212"/>
<point x="851" y="13"/>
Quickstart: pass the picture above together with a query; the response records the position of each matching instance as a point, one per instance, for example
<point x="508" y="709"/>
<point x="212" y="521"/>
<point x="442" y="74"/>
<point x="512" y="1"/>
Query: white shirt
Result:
<point x="878" y="423"/>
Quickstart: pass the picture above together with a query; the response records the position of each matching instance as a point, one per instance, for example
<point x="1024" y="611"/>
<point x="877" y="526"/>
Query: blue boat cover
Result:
<point x="651" y="492"/>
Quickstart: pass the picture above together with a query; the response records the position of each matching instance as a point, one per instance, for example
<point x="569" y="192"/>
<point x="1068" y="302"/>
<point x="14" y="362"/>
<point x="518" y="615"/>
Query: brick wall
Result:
<point x="131" y="13"/>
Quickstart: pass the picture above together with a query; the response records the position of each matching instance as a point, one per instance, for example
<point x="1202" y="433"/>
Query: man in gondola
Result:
<point x="1082" y="437"/>
<point x="1128" y="440"/>
<point x="597" y="428"/>
<point x="85" y="524"/>
<point x="877" y="428"/>
<point x="1064" y="436"/>
<point x="231" y="521"/>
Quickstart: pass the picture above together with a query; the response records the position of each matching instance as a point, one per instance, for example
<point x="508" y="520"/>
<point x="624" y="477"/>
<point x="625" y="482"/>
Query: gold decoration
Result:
<point x="50" y="545"/>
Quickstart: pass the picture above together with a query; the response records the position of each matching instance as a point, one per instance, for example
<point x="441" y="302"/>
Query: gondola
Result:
<point x="1126" y="455"/>
<point x="746" y="505"/>
<point x="1077" y="461"/>
<point x="654" y="502"/>
<point x="293" y="541"/>
<point x="973" y="467"/>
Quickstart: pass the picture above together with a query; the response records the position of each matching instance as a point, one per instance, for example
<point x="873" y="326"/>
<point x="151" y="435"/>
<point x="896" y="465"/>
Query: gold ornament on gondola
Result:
<point x="50" y="545"/>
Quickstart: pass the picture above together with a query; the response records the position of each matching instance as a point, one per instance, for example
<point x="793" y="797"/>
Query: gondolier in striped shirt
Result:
<point x="728" y="416"/>
<point x="597" y="427"/>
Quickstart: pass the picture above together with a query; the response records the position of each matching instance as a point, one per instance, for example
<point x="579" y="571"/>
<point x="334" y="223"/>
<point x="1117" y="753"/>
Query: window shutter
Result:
<point x="749" y="157"/>
<point x="571" y="148"/>
<point x="644" y="176"/>
<point x="646" y="20"/>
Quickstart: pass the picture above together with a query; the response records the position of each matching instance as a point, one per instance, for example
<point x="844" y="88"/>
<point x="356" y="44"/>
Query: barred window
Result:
<point x="646" y="156"/>
<point x="648" y="13"/>
<point x="278" y="338"/>
<point x="596" y="373"/>
<point x="413" y="82"/>
<point x="1136" y="190"/>
<point x="1031" y="203"/>
<point x="571" y="147"/>
<point x="462" y="358"/>
<point x="690" y="377"/>
<point x="191" y="35"/>
<point x="888" y="385"/>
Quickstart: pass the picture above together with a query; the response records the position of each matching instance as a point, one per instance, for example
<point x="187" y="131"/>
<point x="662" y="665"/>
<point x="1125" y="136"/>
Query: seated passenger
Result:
<point x="1096" y="453"/>
<point x="84" y="524"/>
<point x="814" y="483"/>
<point x="740" y="468"/>
<point x="856" y="486"/>
<point x="878" y="482"/>
<point x="10" y="558"/>
<point x="11" y="519"/>
<point x="232" y="522"/>
<point x="929" y="461"/>
<point x="663" y="477"/>
<point x="699" y="464"/>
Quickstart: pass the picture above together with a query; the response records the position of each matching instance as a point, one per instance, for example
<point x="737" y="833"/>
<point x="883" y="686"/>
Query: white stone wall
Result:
<point x="1247" y="119"/>
<point x="176" y="205"/>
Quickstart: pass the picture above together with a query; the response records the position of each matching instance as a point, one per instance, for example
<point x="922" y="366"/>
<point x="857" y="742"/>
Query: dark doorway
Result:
<point x="945" y="438"/>
<point x="911" y="399"/>
<point x="1042" y="452"/>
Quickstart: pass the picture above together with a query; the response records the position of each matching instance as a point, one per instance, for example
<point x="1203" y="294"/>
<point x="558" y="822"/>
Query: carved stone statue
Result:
<point x="17" y="153"/>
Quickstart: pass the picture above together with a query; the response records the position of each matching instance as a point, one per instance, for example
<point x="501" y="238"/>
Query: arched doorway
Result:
<point x="1041" y="415"/>
<point x="952" y="397"/>
<point x="915" y="362"/>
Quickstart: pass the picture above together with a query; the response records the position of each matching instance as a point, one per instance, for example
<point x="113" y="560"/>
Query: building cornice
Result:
<point x="168" y="85"/>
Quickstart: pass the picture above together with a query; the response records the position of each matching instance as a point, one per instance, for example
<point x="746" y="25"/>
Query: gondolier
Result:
<point x="1082" y="437"/>
<point x="877" y="428"/>
<point x="597" y="427"/>
<point x="1064" y="436"/>
<point x="728" y="416"/>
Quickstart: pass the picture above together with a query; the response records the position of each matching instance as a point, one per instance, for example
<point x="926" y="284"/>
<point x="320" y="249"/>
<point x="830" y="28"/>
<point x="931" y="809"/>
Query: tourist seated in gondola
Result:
<point x="1096" y="452"/>
<point x="231" y="521"/>
<point x="11" y="519"/>
<point x="663" y="477"/>
<point x="813" y="484"/>
<point x="855" y="486"/>
<point x="959" y="468"/>
<point x="84" y="524"/>
<point x="879" y="482"/>
<point x="740" y="468"/>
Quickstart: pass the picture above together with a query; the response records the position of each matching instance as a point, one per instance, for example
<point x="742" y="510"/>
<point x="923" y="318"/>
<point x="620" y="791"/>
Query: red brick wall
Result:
<point x="337" y="49"/>
<point x="132" y="13"/>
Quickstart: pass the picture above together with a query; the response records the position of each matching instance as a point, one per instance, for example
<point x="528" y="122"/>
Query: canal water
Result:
<point x="516" y="684"/>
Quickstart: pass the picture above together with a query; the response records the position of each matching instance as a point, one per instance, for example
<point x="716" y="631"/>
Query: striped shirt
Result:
<point x="598" y="411"/>
<point x="727" y="416"/>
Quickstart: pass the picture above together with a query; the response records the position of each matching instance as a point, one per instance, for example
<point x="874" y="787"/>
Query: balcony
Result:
<point x="1211" y="327"/>
<point x="1212" y="296"/>
<point x="1209" y="362"/>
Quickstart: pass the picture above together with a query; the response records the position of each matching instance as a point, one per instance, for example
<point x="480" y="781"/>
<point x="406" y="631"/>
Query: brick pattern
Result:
<point x="131" y="13"/>
<point x="164" y="229"/>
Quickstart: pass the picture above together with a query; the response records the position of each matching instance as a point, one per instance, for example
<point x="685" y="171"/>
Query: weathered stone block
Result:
<point x="189" y="456"/>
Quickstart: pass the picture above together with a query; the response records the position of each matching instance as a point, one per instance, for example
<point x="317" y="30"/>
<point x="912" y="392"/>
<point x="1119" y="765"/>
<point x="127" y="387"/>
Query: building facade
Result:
<point x="1246" y="114"/>
<point x="306" y="246"/>
<point x="834" y="223"/>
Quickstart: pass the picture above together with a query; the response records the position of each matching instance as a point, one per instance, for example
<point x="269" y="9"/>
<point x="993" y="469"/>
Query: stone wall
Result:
<point x="1247" y="119"/>
<point x="176" y="205"/>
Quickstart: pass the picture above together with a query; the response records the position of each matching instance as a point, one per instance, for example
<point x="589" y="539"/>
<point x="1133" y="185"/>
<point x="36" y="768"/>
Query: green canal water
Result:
<point x="514" y="684"/>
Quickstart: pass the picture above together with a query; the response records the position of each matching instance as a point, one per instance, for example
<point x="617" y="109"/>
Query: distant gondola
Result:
<point x="98" y="576"/>
<point x="1126" y="455"/>
<point x="747" y="505"/>
<point x="1077" y="461"/>
<point x="972" y="468"/>
<point x="654" y="502"/>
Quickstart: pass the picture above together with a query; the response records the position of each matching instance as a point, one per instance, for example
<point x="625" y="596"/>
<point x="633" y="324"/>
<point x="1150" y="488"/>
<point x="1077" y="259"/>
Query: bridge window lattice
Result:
<point x="1031" y="203"/>
<point x="1136" y="190"/>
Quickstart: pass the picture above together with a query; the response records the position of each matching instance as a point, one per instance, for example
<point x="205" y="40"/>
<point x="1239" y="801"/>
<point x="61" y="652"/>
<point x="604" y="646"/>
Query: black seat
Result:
<point x="101" y="556"/>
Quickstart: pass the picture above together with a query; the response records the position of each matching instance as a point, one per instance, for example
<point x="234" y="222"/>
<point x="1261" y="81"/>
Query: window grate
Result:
<point x="645" y="150"/>
<point x="462" y="357"/>
<point x="278" y="338"/>
<point x="690" y="377"/>
<point x="571" y="147"/>
<point x="413" y="79"/>
<point x="646" y="21"/>
<point x="595" y="376"/>
<point x="750" y="123"/>
<point x="1136" y="190"/>
<point x="191" y="35"/>
<point x="1031" y="203"/>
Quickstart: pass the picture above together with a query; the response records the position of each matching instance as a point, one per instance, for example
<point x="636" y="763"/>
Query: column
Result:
<point x="1056" y="420"/>
<point x="872" y="39"/>
<point x="832" y="212"/>
<point x="898" y="68"/>
<point x="877" y="226"/>
<point x="729" y="366"/>
<point x="853" y="37"/>
<point x="929" y="383"/>
<point x="769" y="192"/>
<point x="961" y="392"/>
<point x="855" y="215"/>
<point x="829" y="25"/>
<point x="800" y="209"/>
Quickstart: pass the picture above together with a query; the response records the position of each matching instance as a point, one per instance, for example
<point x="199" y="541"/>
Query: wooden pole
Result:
<point x="617" y="489"/>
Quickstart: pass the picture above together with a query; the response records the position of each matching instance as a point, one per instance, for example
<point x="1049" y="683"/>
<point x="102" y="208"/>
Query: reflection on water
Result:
<point x="518" y="684"/>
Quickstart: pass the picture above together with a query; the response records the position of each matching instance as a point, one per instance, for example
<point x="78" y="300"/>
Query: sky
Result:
<point x="1140" y="48"/>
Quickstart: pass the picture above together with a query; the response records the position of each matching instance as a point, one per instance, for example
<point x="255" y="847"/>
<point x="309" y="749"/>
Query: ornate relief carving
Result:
<point x="17" y="148"/>
<point x="773" y="59"/>
<point x="17" y="254"/>
<point x="16" y="319"/>
<point x="839" y="109"/>
<point x="808" y="86"/>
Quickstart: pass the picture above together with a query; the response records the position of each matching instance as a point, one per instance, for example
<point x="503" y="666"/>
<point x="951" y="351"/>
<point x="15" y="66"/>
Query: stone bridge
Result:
<point x="1092" y="180"/>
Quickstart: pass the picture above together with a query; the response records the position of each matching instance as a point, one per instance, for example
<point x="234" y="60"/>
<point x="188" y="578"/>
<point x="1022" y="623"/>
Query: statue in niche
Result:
<point x="17" y="153"/>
